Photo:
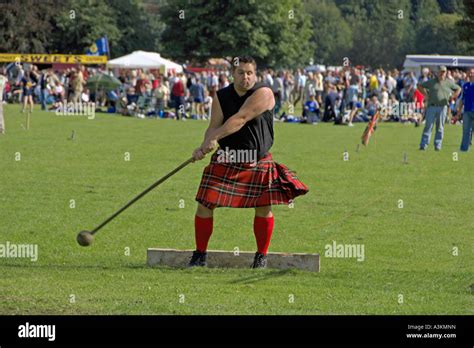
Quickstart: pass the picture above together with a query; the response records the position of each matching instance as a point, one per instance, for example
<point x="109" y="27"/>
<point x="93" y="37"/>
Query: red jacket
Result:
<point x="178" y="88"/>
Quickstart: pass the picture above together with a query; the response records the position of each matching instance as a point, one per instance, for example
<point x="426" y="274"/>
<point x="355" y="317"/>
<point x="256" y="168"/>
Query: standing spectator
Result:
<point x="78" y="85"/>
<point x="161" y="94"/>
<point x="44" y="88"/>
<point x="330" y="78"/>
<point x="438" y="92"/>
<point x="381" y="80"/>
<point x="352" y="94"/>
<point x="289" y="84"/>
<point x="223" y="81"/>
<point x="300" y="83"/>
<point x="373" y="84"/>
<point x="309" y="88"/>
<point x="3" y="82"/>
<point x="28" y="83"/>
<point x="268" y="78"/>
<point x="133" y="78"/>
<point x="177" y="95"/>
<point x="140" y="86"/>
<point x="47" y="82"/>
<point x="384" y="97"/>
<point x="213" y="84"/>
<point x="278" y="91"/>
<point x="319" y="88"/>
<point x="390" y="82"/>
<point x="207" y="105"/>
<point x="204" y="79"/>
<point x="418" y="99"/>
<point x="410" y="79"/>
<point x="424" y="75"/>
<point x="468" y="115"/>
<point x="363" y="85"/>
<point x="197" y="96"/>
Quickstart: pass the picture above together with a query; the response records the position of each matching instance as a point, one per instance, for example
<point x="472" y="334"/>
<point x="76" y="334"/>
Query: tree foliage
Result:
<point x="283" y="33"/>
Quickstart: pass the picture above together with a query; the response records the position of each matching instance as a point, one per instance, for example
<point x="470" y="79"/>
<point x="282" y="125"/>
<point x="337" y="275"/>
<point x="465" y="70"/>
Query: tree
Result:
<point x="332" y="36"/>
<point x="81" y="23"/>
<point x="26" y="27"/>
<point x="380" y="31"/>
<point x="423" y="12"/>
<point x="139" y="29"/>
<point x="440" y="36"/>
<point x="275" y="33"/>
<point x="451" y="6"/>
<point x="465" y="27"/>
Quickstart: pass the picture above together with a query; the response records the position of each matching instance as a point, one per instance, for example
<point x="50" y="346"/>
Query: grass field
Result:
<point x="418" y="259"/>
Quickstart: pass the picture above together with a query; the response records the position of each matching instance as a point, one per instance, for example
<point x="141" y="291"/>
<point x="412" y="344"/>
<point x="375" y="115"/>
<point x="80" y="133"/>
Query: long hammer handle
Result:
<point x="151" y="187"/>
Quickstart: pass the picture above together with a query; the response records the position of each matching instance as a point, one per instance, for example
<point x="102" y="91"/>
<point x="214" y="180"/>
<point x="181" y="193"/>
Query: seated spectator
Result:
<point x="112" y="99"/>
<point x="371" y="107"/>
<point x="393" y="109"/>
<point x="85" y="96"/>
<point x="131" y="100"/>
<point x="331" y="102"/>
<point x="312" y="110"/>
<point x="132" y="97"/>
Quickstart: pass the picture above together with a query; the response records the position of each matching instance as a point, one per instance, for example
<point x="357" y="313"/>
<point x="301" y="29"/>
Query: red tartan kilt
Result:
<point x="247" y="185"/>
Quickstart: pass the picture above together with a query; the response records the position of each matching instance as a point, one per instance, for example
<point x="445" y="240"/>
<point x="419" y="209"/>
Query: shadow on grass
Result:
<point x="259" y="276"/>
<point x="76" y="266"/>
<point x="255" y="276"/>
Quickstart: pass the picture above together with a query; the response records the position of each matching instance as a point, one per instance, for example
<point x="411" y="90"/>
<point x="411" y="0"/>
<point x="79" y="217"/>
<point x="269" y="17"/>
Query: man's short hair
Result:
<point x="236" y="61"/>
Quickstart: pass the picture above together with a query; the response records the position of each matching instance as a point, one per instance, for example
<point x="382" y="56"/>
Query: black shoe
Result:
<point x="198" y="259"/>
<point x="437" y="149"/>
<point x="260" y="261"/>
<point x="422" y="148"/>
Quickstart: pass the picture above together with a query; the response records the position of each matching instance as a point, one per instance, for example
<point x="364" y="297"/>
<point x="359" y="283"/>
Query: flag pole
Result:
<point x="108" y="49"/>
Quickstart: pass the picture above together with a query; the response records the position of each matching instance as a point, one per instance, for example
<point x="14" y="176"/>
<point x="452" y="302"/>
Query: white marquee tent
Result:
<point x="144" y="60"/>
<point x="417" y="62"/>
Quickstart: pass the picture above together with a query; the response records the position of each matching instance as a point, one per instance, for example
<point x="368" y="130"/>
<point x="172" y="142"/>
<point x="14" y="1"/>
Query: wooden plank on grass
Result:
<point x="229" y="259"/>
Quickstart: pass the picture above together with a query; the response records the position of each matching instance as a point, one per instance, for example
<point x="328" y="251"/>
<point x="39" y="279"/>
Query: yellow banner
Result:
<point x="51" y="58"/>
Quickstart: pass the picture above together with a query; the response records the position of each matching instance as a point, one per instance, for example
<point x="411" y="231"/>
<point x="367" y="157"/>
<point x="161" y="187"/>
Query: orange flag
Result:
<point x="370" y="129"/>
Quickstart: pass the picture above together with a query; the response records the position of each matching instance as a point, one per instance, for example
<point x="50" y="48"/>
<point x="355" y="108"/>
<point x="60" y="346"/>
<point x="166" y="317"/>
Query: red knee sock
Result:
<point x="202" y="232"/>
<point x="263" y="228"/>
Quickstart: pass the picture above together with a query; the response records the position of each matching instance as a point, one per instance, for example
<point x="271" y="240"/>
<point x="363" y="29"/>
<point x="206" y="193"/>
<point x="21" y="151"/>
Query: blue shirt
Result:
<point x="311" y="106"/>
<point x="468" y="96"/>
<point x="197" y="90"/>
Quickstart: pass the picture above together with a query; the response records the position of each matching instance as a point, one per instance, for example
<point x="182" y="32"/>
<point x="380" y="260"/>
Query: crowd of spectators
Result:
<point x="343" y="95"/>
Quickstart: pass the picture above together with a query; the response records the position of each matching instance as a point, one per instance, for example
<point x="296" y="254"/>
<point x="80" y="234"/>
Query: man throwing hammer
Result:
<point x="242" y="173"/>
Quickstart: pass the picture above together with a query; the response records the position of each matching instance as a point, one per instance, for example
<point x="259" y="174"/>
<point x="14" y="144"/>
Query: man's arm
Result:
<point x="460" y="106"/>
<point x="456" y="90"/>
<point x="260" y="101"/>
<point x="459" y="109"/>
<point x="217" y="118"/>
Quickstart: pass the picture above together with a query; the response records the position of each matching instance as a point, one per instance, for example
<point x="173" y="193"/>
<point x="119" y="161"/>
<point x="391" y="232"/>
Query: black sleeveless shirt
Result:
<point x="256" y="134"/>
